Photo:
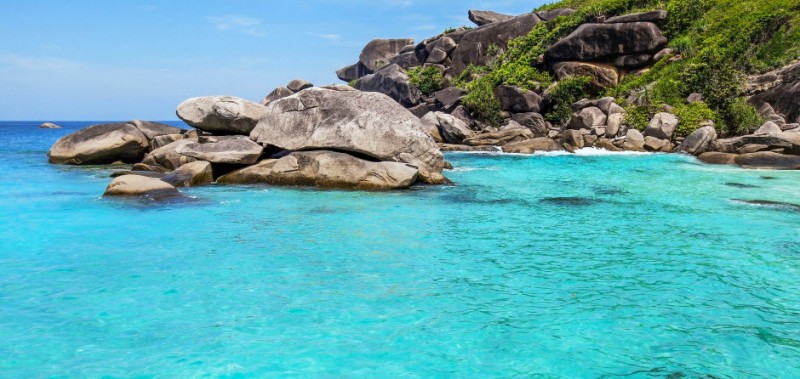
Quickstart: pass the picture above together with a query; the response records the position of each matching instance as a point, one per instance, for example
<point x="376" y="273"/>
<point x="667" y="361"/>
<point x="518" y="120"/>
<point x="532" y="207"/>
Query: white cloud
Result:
<point x="241" y="24"/>
<point x="327" y="36"/>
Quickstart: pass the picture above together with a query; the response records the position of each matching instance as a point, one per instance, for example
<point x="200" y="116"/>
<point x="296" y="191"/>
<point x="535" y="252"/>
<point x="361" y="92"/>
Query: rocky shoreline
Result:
<point x="384" y="132"/>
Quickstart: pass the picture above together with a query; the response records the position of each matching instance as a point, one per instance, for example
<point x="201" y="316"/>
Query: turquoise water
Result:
<point x="634" y="266"/>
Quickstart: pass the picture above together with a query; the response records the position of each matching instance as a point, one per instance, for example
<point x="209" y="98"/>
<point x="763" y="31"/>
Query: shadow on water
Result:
<point x="740" y="185"/>
<point x="777" y="205"/>
<point x="574" y="201"/>
<point x="156" y="202"/>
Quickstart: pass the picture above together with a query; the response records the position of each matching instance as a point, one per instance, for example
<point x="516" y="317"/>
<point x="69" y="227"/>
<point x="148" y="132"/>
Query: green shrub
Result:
<point x="742" y="118"/>
<point x="639" y="116"/>
<point x="481" y="101"/>
<point x="690" y="116"/>
<point x="564" y="94"/>
<point x="429" y="80"/>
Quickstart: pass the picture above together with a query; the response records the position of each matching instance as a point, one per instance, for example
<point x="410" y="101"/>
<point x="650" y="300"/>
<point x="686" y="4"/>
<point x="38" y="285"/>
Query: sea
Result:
<point x="594" y="265"/>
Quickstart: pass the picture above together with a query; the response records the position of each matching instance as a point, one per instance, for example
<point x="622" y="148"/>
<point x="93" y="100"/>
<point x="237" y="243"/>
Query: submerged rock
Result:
<point x="325" y="169"/>
<point x="100" y="144"/>
<point x="365" y="123"/>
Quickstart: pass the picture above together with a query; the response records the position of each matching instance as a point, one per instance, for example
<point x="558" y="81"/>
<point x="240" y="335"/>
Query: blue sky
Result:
<point x="121" y="60"/>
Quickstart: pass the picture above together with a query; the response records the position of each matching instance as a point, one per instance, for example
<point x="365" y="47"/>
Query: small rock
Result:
<point x="49" y="125"/>
<point x="634" y="141"/>
<point x="298" y="85"/>
<point x="518" y="100"/>
<point x="136" y="185"/>
<point x="662" y="126"/>
<point x="531" y="146"/>
<point x="190" y="175"/>
<point x="718" y="158"/>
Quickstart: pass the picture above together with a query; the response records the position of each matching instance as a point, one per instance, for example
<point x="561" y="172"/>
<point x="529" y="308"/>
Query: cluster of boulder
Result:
<point x="331" y="137"/>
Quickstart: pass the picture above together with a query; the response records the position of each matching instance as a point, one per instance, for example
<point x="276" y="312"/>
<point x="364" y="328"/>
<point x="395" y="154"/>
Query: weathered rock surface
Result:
<point x="450" y="98"/>
<point x="500" y="138"/>
<point x="769" y="160"/>
<point x="552" y="14"/>
<point x="190" y="175"/>
<point x="393" y="82"/>
<point x="378" y="52"/>
<point x="699" y="141"/>
<point x="164" y="140"/>
<point x="452" y="129"/>
<point x="135" y="185"/>
<point x="325" y="169"/>
<point x="167" y="157"/>
<point x="603" y="76"/>
<point x="152" y="130"/>
<point x="592" y="42"/>
<point x="239" y="150"/>
<point x="100" y="144"/>
<point x="276" y="94"/>
<point x="662" y="126"/>
<point x="365" y="123"/>
<point x="298" y="85"/>
<point x="533" y="121"/>
<point x="780" y="89"/>
<point x="588" y="118"/>
<point x="518" y="100"/>
<point x="221" y="114"/>
<point x="472" y="49"/>
<point x="714" y="157"/>
<point x="572" y="140"/>
<point x="481" y="18"/>
<point x="531" y="146"/>
<point x="634" y="141"/>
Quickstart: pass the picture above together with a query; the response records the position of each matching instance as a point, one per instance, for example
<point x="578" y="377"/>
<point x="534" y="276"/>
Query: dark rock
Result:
<point x="421" y="110"/>
<point x="149" y="174"/>
<point x="655" y="144"/>
<point x="221" y="114"/>
<point x="452" y="130"/>
<point x="518" y="100"/>
<point x="352" y="72"/>
<point x="591" y="42"/>
<point x="405" y="60"/>
<point x="606" y="144"/>
<point x="238" y="150"/>
<point x="552" y="14"/>
<point x="481" y="18"/>
<point x="325" y="169"/>
<point x="663" y="53"/>
<point x="632" y="62"/>
<point x="771" y="204"/>
<point x="769" y="160"/>
<point x="365" y="123"/>
<point x="780" y="89"/>
<point x="393" y="82"/>
<point x="437" y="56"/>
<point x="694" y="98"/>
<point x="657" y="16"/>
<point x="570" y="201"/>
<point x="100" y="144"/>
<point x="298" y="85"/>
<point x="190" y="175"/>
<point x="378" y="52"/>
<point x="472" y="49"/>
<point x="450" y="98"/>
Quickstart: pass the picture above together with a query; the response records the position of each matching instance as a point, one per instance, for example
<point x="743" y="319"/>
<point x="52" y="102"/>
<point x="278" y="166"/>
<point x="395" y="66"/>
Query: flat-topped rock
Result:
<point x="365" y="123"/>
<point x="325" y="169"/>
<point x="238" y="150"/>
<point x="592" y="42"/>
<point x="221" y="114"/>
<point x="769" y="160"/>
<point x="657" y="16"/>
<point x="482" y="18"/>
<point x="152" y="130"/>
<point x="136" y="185"/>
<point x="190" y="175"/>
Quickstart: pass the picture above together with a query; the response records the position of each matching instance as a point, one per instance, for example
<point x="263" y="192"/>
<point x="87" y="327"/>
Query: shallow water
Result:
<point x="589" y="266"/>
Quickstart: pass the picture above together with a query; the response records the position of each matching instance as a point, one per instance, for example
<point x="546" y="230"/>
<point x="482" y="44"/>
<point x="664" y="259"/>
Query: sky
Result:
<point x="122" y="60"/>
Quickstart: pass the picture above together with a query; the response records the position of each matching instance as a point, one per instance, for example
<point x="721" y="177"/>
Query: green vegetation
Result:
<point x="716" y="44"/>
<point x="564" y="94"/>
<point x="429" y="79"/>
<point x="691" y="116"/>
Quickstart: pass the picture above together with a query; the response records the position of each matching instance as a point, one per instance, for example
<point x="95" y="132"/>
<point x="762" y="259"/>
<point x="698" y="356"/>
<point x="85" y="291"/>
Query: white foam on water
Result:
<point x="585" y="152"/>
<point x="470" y="169"/>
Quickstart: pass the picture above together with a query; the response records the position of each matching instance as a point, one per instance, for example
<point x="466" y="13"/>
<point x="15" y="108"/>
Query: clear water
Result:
<point x="635" y="266"/>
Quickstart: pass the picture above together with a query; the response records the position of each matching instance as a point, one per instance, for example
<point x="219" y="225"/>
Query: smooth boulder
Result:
<point x="325" y="169"/>
<point x="474" y="46"/>
<point x="49" y="125"/>
<point x="153" y="130"/>
<point x="699" y="141"/>
<point x="100" y="144"/>
<point x="136" y="185"/>
<point x="366" y="123"/>
<point x="592" y="42"/>
<point x="602" y="76"/>
<point x="769" y="160"/>
<point x="518" y="100"/>
<point x="221" y="114"/>
<point x="531" y="146"/>
<point x="482" y="18"/>
<point x="167" y="158"/>
<point x="191" y="175"/>
<point x="378" y="52"/>
<point x="393" y="82"/>
<point x="662" y="126"/>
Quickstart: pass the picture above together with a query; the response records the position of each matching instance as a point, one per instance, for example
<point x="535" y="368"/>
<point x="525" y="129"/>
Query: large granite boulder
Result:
<point x="405" y="60"/>
<point x="298" y="85"/>
<point x="100" y="144"/>
<point x="378" y="52"/>
<point x="167" y="157"/>
<point x="325" y="169"/>
<point x="482" y="18"/>
<point x="276" y="94"/>
<point x="715" y="157"/>
<point x="238" y="150"/>
<point x="452" y="129"/>
<point x="769" y="160"/>
<point x="518" y="100"/>
<point x="153" y="130"/>
<point x="366" y="123"/>
<point x="136" y="185"/>
<point x="393" y="82"/>
<point x="588" y="118"/>
<point x="662" y="126"/>
<point x="552" y="14"/>
<point x="472" y="49"/>
<point x="500" y="138"/>
<point x="699" y="141"/>
<point x="221" y="114"/>
<point x="450" y="98"/>
<point x="592" y="42"/>
<point x="780" y="89"/>
<point x="603" y="76"/>
<point x="352" y="72"/>
<point x="634" y="141"/>
<point x="533" y="121"/>
<point x="191" y="175"/>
